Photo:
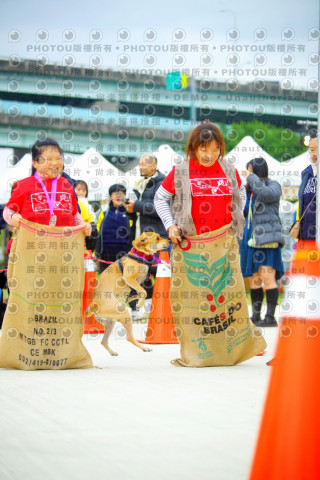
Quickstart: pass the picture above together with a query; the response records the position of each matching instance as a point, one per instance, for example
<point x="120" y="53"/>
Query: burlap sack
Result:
<point x="209" y="303"/>
<point x="42" y="327"/>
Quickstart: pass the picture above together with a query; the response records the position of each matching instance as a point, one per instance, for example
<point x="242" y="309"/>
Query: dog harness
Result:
<point x="139" y="257"/>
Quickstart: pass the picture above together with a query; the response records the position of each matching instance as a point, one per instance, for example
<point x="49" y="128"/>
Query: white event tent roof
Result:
<point x="13" y="173"/>
<point x="246" y="150"/>
<point x="91" y="167"/>
<point x="294" y="167"/>
<point x="99" y="173"/>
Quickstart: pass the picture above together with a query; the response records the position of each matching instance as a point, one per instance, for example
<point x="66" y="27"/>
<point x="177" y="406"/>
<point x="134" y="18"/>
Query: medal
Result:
<point x="53" y="221"/>
<point x="52" y="199"/>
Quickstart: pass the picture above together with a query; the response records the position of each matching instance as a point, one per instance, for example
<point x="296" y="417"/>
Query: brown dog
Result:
<point x="116" y="282"/>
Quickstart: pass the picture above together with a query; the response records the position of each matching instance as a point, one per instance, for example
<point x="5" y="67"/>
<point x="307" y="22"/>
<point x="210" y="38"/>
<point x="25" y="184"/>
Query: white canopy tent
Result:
<point x="91" y="167"/>
<point x="294" y="167"/>
<point x="23" y="169"/>
<point x="13" y="173"/>
<point x="97" y="172"/>
<point x="167" y="158"/>
<point x="246" y="150"/>
<point x="7" y="158"/>
<point x="72" y="165"/>
<point x="100" y="174"/>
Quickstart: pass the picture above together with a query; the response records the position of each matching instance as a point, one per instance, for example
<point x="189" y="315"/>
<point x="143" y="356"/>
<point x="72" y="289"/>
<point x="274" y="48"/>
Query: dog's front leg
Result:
<point x="133" y="275"/>
<point x="131" y="298"/>
<point x="141" y="295"/>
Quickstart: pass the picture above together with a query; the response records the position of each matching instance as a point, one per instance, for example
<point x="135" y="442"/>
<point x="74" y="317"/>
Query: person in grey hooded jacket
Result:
<point x="260" y="248"/>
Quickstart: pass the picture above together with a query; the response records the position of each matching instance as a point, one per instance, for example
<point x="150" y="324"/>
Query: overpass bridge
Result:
<point x="124" y="114"/>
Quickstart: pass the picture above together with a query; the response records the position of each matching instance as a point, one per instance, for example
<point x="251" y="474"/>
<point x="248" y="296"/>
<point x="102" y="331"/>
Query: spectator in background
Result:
<point x="86" y="212"/>
<point x="307" y="194"/>
<point x="145" y="188"/>
<point x="260" y="248"/>
<point x="145" y="217"/>
<point x="114" y="229"/>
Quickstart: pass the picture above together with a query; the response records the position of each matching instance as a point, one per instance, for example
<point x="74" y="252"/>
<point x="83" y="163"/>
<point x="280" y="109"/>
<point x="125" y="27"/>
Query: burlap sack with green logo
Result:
<point x="42" y="327"/>
<point x="209" y="303"/>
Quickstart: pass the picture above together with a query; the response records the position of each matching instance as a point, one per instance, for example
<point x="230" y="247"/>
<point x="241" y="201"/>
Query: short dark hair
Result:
<point x="202" y="135"/>
<point x="38" y="147"/>
<point x="259" y="167"/>
<point x="313" y="134"/>
<point x="117" y="187"/>
<point x="82" y="182"/>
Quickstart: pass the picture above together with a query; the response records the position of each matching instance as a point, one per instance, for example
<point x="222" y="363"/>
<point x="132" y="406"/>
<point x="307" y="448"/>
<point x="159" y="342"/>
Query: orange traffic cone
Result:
<point x="90" y="325"/>
<point x="288" y="445"/>
<point x="161" y="328"/>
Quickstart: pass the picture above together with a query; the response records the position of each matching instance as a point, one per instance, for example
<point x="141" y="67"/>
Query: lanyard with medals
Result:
<point x="51" y="201"/>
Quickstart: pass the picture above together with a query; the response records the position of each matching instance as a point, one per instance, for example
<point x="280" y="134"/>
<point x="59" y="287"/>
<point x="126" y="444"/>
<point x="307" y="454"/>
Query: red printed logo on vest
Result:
<point x="40" y="204"/>
<point x="210" y="187"/>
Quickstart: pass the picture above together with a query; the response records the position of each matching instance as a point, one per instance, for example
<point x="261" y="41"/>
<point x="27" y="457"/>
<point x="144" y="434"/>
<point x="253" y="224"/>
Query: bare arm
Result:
<point x="78" y="220"/>
<point x="162" y="205"/>
<point x="11" y="217"/>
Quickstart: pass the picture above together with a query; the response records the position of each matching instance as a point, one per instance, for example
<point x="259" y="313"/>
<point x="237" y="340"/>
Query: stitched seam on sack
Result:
<point x="46" y="304"/>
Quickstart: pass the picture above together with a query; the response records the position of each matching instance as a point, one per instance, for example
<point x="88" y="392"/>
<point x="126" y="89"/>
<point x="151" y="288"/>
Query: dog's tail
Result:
<point x="93" y="307"/>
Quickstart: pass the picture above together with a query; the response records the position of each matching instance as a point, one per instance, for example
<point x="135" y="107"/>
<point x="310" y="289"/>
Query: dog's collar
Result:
<point x="144" y="256"/>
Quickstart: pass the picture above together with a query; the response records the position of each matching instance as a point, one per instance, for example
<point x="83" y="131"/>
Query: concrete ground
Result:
<point x="136" y="416"/>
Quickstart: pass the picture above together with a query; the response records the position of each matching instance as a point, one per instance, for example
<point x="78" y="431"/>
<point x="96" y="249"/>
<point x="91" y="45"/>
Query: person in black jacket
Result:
<point x="114" y="231"/>
<point x="147" y="219"/>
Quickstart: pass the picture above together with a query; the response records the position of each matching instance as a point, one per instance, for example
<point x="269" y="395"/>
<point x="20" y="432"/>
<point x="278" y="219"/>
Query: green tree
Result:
<point x="280" y="143"/>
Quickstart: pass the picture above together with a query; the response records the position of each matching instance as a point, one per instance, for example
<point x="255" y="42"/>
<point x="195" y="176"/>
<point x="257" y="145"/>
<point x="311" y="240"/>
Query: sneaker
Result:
<point x="255" y="318"/>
